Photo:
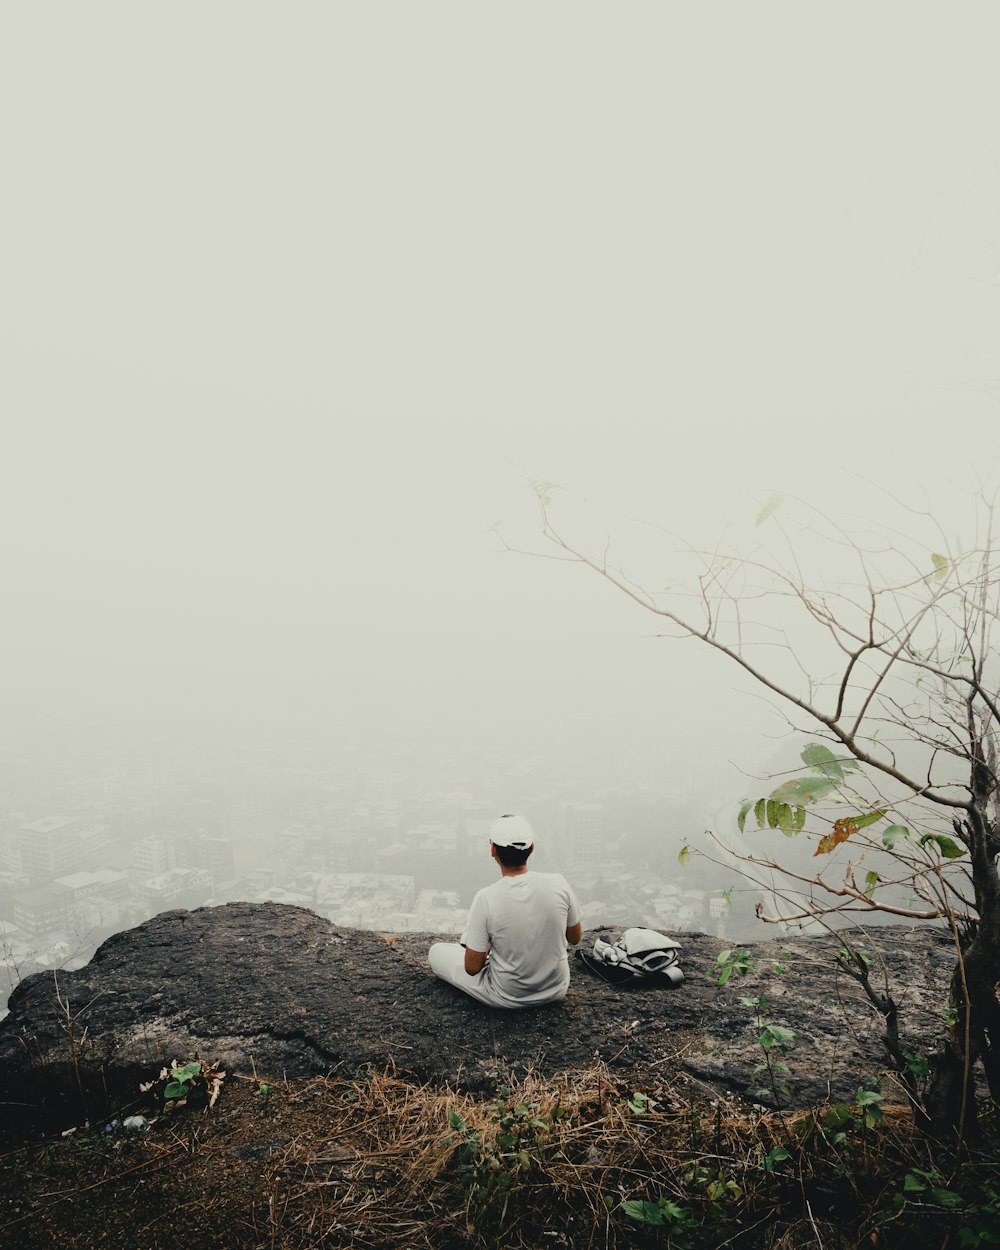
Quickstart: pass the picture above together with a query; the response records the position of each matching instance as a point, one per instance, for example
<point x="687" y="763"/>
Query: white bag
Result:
<point x="641" y="953"/>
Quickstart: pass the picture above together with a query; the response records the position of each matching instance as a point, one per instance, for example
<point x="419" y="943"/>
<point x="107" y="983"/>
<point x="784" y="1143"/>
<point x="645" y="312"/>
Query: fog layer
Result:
<point x="296" y="302"/>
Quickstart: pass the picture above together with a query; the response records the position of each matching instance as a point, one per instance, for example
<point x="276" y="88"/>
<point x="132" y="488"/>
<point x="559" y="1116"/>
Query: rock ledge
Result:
<point x="277" y="990"/>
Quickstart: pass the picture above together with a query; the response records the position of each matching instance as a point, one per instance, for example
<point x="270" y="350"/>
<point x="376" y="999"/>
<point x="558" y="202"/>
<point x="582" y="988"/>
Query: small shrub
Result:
<point x="184" y="1084"/>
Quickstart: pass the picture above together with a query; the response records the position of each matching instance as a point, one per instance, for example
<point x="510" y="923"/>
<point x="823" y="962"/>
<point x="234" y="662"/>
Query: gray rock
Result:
<point x="276" y="991"/>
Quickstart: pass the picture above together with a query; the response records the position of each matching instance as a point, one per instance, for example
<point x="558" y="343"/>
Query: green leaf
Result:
<point x="786" y="820"/>
<point x="892" y="834"/>
<point x="741" y="819"/>
<point x="945" y="1197"/>
<point x="455" y="1120"/>
<point x="798" y="824"/>
<point x="778" y="1155"/>
<point x="940" y="563"/>
<point x="804" y="790"/>
<point x="869" y="818"/>
<point x="816" y="755"/>
<point x="175" y="1089"/>
<point x="760" y="808"/>
<point x="683" y="855"/>
<point x="838" y="1115"/>
<point x="867" y="1098"/>
<point x="186" y="1072"/>
<point x="948" y="847"/>
<point x="913" y="1184"/>
<point x="644" y="1212"/>
<point x="871" y="881"/>
<point x="773" y="806"/>
<point x="917" y="1064"/>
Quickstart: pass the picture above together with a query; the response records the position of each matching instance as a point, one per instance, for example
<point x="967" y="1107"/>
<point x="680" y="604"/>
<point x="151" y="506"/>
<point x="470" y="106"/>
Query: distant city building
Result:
<point x="93" y="899"/>
<point x="437" y="911"/>
<point x="582" y="827"/>
<point x="39" y="913"/>
<point x="10" y="851"/>
<point x="219" y="857"/>
<point x="60" y="844"/>
<point x="476" y="837"/>
<point x="296" y="845"/>
<point x="11" y="884"/>
<point x="434" y="838"/>
<point x="365" y="900"/>
<point x="153" y="855"/>
<point x="350" y="851"/>
<point x="179" y="887"/>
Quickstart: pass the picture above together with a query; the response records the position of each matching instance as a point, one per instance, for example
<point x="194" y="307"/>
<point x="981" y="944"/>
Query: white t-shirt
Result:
<point x="522" y="922"/>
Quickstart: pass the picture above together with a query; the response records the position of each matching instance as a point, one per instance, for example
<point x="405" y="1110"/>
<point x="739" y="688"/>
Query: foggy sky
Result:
<point x="295" y="299"/>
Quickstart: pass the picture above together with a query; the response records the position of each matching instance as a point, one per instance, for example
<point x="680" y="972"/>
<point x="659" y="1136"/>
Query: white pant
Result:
<point x="447" y="961"/>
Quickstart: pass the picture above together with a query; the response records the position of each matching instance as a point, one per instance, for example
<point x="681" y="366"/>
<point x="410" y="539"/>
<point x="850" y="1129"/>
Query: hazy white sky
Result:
<point x="292" y="297"/>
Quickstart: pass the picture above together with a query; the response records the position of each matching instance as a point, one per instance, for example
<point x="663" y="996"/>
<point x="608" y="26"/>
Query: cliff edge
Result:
<point x="277" y="990"/>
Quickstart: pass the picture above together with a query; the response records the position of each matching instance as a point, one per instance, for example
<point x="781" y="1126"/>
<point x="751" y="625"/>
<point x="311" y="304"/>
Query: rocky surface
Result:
<point x="277" y="990"/>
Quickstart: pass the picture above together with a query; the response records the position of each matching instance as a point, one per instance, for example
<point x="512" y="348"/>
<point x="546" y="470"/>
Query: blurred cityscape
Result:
<point x="394" y="843"/>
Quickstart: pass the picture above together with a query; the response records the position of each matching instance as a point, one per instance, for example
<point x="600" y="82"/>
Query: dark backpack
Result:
<point x="639" y="957"/>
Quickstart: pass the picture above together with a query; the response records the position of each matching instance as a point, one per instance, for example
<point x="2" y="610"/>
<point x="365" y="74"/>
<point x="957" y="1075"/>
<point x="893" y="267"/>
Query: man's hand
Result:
<point x="475" y="961"/>
<point x="574" y="933"/>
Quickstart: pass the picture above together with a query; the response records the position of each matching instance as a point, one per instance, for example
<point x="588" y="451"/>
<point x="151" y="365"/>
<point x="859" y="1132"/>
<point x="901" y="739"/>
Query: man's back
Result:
<point x="522" y="921"/>
<point x="513" y="953"/>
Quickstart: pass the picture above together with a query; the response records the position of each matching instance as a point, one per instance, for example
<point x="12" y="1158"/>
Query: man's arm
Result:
<point x="475" y="961"/>
<point x="574" y="933"/>
<point x="476" y="938"/>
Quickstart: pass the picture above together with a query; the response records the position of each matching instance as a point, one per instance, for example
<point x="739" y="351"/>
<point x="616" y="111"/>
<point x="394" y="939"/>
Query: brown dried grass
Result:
<point x="370" y="1161"/>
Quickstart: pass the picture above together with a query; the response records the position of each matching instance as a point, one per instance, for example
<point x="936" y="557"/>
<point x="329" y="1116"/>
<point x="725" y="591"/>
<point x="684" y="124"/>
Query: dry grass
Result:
<point x="377" y="1161"/>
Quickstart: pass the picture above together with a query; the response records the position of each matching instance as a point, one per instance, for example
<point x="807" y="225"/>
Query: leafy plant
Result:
<point x="733" y="961"/>
<point x="867" y="1101"/>
<point x="773" y="1157"/>
<point x="775" y="1041"/>
<point x="183" y="1081"/>
<point x="927" y="1206"/>
<point x="182" y="1084"/>
<point x="489" y="1163"/>
<point x="662" y="1213"/>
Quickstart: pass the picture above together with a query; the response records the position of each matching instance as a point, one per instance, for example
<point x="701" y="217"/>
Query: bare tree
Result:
<point x="878" y="645"/>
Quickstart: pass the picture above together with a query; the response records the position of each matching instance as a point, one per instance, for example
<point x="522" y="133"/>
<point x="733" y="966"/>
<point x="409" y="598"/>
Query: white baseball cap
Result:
<point x="512" y="831"/>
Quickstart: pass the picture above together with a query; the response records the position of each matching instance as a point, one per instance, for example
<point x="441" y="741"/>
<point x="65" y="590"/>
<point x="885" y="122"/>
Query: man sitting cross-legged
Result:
<point x="513" y="952"/>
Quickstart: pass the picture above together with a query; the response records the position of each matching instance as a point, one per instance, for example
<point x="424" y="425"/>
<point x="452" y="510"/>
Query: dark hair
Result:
<point x="512" y="858"/>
